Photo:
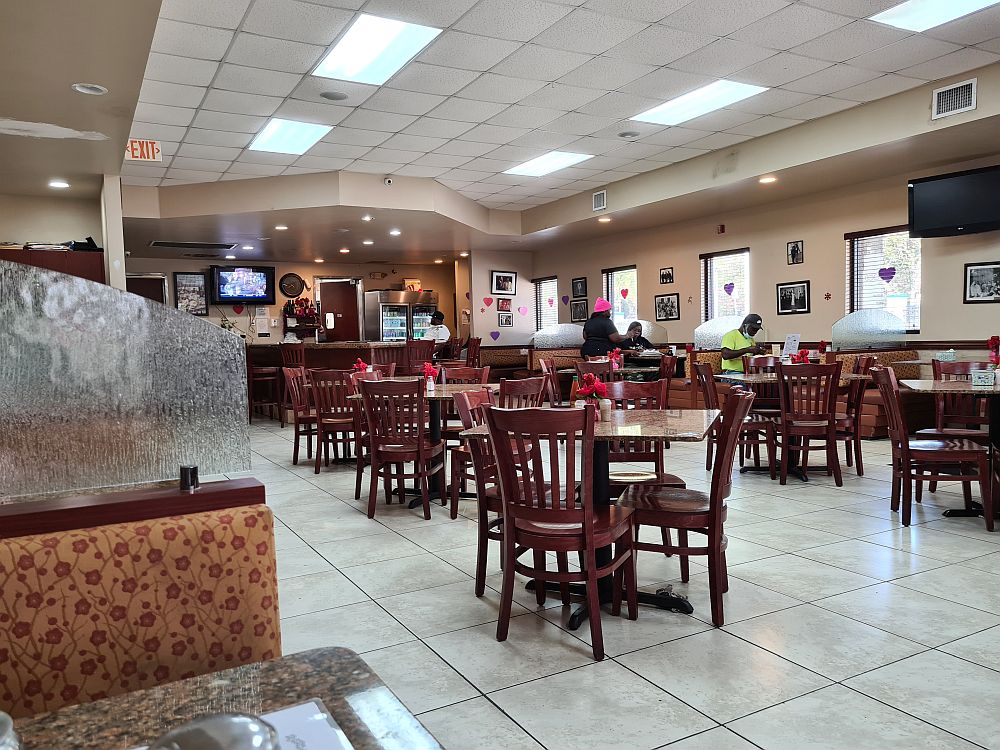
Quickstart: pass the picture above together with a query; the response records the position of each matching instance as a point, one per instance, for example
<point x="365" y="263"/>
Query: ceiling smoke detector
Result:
<point x="629" y="134"/>
<point x="92" y="89"/>
<point x="334" y="96"/>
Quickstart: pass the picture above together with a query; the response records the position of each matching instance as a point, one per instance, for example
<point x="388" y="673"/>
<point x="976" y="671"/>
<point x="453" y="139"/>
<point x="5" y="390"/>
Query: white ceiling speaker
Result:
<point x="954" y="99"/>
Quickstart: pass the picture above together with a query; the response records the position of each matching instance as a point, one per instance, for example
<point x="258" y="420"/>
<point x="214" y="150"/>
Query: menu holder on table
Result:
<point x="791" y="345"/>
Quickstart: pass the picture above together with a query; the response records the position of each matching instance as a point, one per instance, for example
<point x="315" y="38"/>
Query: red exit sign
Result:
<point x="143" y="150"/>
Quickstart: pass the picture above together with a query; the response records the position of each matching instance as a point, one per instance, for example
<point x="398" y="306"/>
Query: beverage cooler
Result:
<point x="397" y="316"/>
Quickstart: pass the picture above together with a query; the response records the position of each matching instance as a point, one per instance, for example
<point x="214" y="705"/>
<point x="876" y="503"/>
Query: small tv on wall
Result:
<point x="954" y="204"/>
<point x="235" y="285"/>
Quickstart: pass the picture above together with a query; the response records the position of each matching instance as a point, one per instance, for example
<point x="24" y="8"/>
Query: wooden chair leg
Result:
<point x="482" y="549"/>
<point x="986" y="491"/>
<point x="932" y="487"/>
<point x="783" y="477"/>
<point x="506" y="591"/>
<point x="896" y="488"/>
<point x="920" y="486"/>
<point x="594" y="607"/>
<point x="664" y="538"/>
<point x="907" y="496"/>
<point x="562" y="565"/>
<point x="455" y="470"/>
<point x="772" y="448"/>
<point x="400" y="486"/>
<point x="539" y="564"/>
<point x="833" y="460"/>
<point x="848" y="455"/>
<point x="425" y="492"/>
<point x="857" y="455"/>
<point x="320" y="444"/>
<point x="682" y="541"/>
<point x="617" y="583"/>
<point x="359" y="474"/>
<point x="387" y="475"/>
<point x="715" y="582"/>
<point x="295" y="450"/>
<point x="632" y="584"/>
<point x="373" y="488"/>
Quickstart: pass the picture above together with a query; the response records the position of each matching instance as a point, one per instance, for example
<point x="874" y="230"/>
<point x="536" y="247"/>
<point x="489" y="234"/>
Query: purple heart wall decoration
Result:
<point x="887" y="274"/>
<point x="565" y="299"/>
<point x="523" y="310"/>
<point x="494" y="335"/>
<point x="728" y="288"/>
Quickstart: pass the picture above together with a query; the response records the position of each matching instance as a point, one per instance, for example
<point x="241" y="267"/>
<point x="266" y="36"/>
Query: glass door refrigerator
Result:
<point x="393" y="325"/>
<point x="398" y="316"/>
<point x="420" y="319"/>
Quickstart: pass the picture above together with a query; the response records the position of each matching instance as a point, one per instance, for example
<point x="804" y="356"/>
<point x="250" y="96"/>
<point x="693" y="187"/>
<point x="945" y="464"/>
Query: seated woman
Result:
<point x="600" y="335"/>
<point x="634" y="338"/>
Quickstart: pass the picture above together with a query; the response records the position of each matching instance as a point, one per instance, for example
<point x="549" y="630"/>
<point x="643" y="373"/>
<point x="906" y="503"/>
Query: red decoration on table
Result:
<point x="592" y="387"/>
<point x="995" y="359"/>
<point x="430" y="371"/>
<point x="821" y="347"/>
<point x="800" y="358"/>
<point x="689" y="348"/>
<point x="615" y="356"/>
<point x="359" y="365"/>
<point x="993" y="344"/>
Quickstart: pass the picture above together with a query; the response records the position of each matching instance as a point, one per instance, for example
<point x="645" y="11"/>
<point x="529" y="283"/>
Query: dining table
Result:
<point x="654" y="425"/>
<point x="367" y="712"/>
<point x="625" y="370"/>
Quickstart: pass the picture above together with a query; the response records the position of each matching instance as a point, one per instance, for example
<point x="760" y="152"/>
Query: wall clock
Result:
<point x="291" y="285"/>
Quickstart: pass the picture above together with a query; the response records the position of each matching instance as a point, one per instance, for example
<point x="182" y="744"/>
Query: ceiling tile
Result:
<point x="721" y="17"/>
<point x="634" y="126"/>
<point x="187" y="176"/>
<point x="465" y="148"/>
<point x="561" y="96"/>
<point x="721" y="58"/>
<point x="322" y="114"/>
<point x="226" y="14"/>
<point x="467" y="110"/>
<point x="208" y="152"/>
<point x="525" y="117"/>
<point x="496" y="18"/>
<point x="302" y="170"/>
<point x="856" y="8"/>
<point x="910" y="51"/>
<point x="764" y="126"/>
<point x="682" y="153"/>
<point x="790" y="27"/>
<point x="543" y="139"/>
<point x="658" y="45"/>
<point x="403" y="102"/>
<point x="190" y="40"/>
<point x="832" y="79"/>
<point x="241" y="104"/>
<point x="420" y="170"/>
<point x="618" y="105"/>
<point x="406" y="142"/>
<point x="392" y="155"/>
<point x="297" y="21"/>
<point x="442" y="160"/>
<point x="492" y="134"/>
<point x="606" y="73"/>
<point x="993" y="45"/>
<point x="230" y="176"/>
<point x="721" y="119"/>
<point x="138" y="170"/>
<point x="141" y="181"/>
<point x="677" y="136"/>
<point x="369" y="119"/>
<point x="951" y="64"/>
<point x="372" y="167"/>
<point x="518" y="154"/>
<point x="614" y="175"/>
<point x="483" y="164"/>
<point x="770" y="102"/>
<point x="436" y="13"/>
<point x="158" y="113"/>
<point x="586" y="31"/>
<point x="649" y="11"/>
<point x="261" y="170"/>
<point x="228" y="122"/>
<point x="820" y="107"/>
<point x="266" y="157"/>
<point x="256" y="80"/>
<point x="971" y="29"/>
<point x="312" y="86"/>
<point x="204" y="165"/>
<point x="354" y="137"/>
<point x="887" y="85"/>
<point x="338" y="150"/>
<point x="276" y="54"/>
<point x="453" y="49"/>
<point x="466" y="174"/>
<point x="666" y="83"/>
<point x="575" y="172"/>
<point x="172" y="94"/>
<point x="186" y="70"/>
<point x="849" y="41"/>
<point x="431" y="79"/>
<point x="591" y="145"/>
<point x="157" y="132"/>
<point x="323" y="162"/>
<point x="430" y="126"/>
<point x="781" y="68"/>
<point x="576" y="123"/>
<point x="607" y="162"/>
<point x="632" y="151"/>
<point x="493" y="88"/>
<point x="542" y="63"/>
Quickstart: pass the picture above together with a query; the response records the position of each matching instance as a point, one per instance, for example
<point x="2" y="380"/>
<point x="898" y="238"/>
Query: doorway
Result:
<point x="339" y="302"/>
<point x="151" y="286"/>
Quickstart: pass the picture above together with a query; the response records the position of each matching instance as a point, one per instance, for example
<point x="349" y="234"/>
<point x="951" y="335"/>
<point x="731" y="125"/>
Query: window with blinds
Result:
<point x="883" y="273"/>
<point x="546" y="305"/>
<point x="725" y="283"/>
<point x="620" y="289"/>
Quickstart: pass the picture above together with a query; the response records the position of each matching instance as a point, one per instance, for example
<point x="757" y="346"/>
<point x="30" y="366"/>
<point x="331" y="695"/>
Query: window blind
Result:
<point x="546" y="314"/>
<point x="883" y="268"/>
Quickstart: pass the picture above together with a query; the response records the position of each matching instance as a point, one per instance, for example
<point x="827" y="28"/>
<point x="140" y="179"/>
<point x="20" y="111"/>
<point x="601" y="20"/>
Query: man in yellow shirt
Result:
<point x="739" y="342"/>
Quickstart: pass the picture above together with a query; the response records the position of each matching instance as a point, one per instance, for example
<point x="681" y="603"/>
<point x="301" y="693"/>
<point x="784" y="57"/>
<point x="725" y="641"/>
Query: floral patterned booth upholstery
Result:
<point x="94" y="612"/>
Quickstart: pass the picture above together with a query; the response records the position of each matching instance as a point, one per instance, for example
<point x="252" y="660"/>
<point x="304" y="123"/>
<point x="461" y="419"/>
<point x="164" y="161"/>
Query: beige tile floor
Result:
<point x="844" y="630"/>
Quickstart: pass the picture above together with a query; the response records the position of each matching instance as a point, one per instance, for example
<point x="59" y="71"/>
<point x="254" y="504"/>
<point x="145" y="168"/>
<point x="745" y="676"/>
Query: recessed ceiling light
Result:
<point x="550" y="162"/>
<point x="248" y="247"/>
<point x="767" y="180"/>
<point x="319" y="260"/>
<point x="93" y="89"/>
<point x="373" y="49"/>
<point x="463" y="254"/>
<point x="345" y="250"/>
<point x="438" y="260"/>
<point x="605" y="220"/>
<point x="699" y="102"/>
<point x="58" y="184"/>
<point x="263" y="238"/>
<point x="280" y="227"/>
<point x="230" y="257"/>
<point x="367" y="217"/>
<point x="395" y="232"/>
<point x="288" y="136"/>
<point x="333" y="96"/>
<point x="920" y="15"/>
<point x="367" y="242"/>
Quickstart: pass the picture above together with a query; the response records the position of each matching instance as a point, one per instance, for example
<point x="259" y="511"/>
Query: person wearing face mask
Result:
<point x="739" y="342"/>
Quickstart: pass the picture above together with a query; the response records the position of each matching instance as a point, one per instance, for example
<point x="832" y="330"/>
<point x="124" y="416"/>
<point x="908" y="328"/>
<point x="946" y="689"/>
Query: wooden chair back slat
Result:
<point x="293" y="355"/>
<point x="394" y="411"/>
<point x="330" y="389"/>
<point x="808" y="392"/>
<point x="548" y="367"/>
<point x="958" y="409"/>
<point x="704" y="375"/>
<point x="472" y="351"/>
<point x="527" y="393"/>
<point x="417" y="353"/>
<point x="295" y="383"/>
<point x="467" y="375"/>
<point x="625" y="394"/>
<point x="603" y="370"/>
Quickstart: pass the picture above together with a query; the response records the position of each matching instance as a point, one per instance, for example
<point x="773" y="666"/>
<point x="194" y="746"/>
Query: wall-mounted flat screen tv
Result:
<point x="955" y="204"/>
<point x="233" y="285"/>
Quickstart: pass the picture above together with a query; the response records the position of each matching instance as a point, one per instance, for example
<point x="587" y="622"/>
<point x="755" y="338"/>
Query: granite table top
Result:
<point x="772" y="377"/>
<point x="627" y="370"/>
<point x="366" y="710"/>
<point x="445" y="391"/>
<point x="339" y="344"/>
<point x="951" y="386"/>
<point x="680" y="425"/>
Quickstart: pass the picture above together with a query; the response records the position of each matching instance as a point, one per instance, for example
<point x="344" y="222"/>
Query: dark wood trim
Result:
<point x="720" y="253"/>
<point x="876" y="232"/>
<point x="85" y="511"/>
<point x="545" y="278"/>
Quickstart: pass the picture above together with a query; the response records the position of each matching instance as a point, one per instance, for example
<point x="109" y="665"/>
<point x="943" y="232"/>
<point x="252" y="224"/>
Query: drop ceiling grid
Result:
<point x="508" y="80"/>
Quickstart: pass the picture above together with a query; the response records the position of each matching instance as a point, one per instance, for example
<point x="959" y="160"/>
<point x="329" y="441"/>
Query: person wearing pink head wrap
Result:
<point x="599" y="332"/>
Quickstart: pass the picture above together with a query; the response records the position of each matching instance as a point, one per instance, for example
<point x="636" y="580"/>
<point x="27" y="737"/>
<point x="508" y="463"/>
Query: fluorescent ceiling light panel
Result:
<point x="549" y="162"/>
<point x="700" y="102"/>
<point x="920" y="15"/>
<point x="373" y="49"/>
<point x="288" y="136"/>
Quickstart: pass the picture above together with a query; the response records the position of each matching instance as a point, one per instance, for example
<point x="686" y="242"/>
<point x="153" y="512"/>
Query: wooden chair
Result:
<point x="263" y="390"/>
<point x="691" y="510"/>
<point x="766" y="399"/>
<point x="292" y="355"/>
<point x="668" y="366"/>
<point x="808" y="396"/>
<point x="924" y="458"/>
<point x="387" y="370"/>
<point x="601" y="369"/>
<point x="554" y="389"/>
<point x="334" y="413"/>
<point x="466" y="375"/>
<point x="396" y="415"/>
<point x="849" y="423"/>
<point x="383" y="356"/>
<point x="526" y="393"/>
<point x="362" y="443"/>
<point x="303" y="414"/>
<point x="472" y="351"/>
<point x="541" y="514"/>
<point x="418" y="352"/>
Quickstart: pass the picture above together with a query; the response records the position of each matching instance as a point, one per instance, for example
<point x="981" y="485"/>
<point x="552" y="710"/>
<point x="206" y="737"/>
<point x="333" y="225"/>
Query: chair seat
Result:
<point x="610" y="522"/>
<point x="666" y="501"/>
<point x="337" y="423"/>
<point x="945" y="445"/>
<point x="400" y="453"/>
<point x="648" y="478"/>
<point x="808" y="422"/>
<point x="954" y="432"/>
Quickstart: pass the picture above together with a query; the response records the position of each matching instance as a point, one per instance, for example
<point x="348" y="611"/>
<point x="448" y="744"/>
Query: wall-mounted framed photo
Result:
<point x="504" y="304"/>
<point x="796" y="252"/>
<point x="982" y="283"/>
<point x="667" y="306"/>
<point x="505" y="320"/>
<point x="191" y="292"/>
<point x="578" y="287"/>
<point x="578" y="310"/>
<point x="503" y="282"/>
<point x="793" y="298"/>
<point x="667" y="275"/>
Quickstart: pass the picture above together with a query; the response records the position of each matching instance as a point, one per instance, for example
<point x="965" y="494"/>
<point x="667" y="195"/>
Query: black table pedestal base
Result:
<point x="663" y="598"/>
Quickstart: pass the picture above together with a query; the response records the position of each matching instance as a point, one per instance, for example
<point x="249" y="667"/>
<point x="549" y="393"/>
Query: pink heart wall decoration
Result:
<point x="551" y="302"/>
<point x="624" y="293"/>
<point x="887" y="274"/>
<point x="237" y="309"/>
<point x="494" y="335"/>
<point x="728" y="288"/>
<point x="487" y="301"/>
<point x="523" y="310"/>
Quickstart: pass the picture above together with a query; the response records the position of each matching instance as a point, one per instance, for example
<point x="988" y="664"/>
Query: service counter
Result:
<point x="336" y="355"/>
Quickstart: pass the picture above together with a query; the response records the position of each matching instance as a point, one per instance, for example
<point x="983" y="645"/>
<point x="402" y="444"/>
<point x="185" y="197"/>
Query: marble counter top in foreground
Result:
<point x="370" y="715"/>
<point x="341" y="344"/>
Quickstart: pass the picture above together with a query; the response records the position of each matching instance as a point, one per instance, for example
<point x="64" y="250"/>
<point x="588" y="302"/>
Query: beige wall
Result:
<point x="26" y="218"/>
<point x="439" y="278"/>
<point x="819" y="220"/>
<point x="463" y="296"/>
<point x="484" y="318"/>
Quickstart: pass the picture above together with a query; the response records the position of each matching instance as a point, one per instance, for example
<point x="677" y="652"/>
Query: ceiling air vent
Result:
<point x="950" y="100"/>
<point x="199" y="255"/>
<point x="217" y="246"/>
<point x="600" y="200"/>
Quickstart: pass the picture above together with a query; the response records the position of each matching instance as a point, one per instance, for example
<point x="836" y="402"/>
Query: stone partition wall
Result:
<point x="100" y="387"/>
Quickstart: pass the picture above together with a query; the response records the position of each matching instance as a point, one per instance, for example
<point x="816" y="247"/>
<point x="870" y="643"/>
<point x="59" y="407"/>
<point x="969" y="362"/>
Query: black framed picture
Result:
<point x="503" y="282"/>
<point x="793" y="298"/>
<point x="667" y="306"/>
<point x="667" y="275"/>
<point x="982" y="283"/>
<point x="578" y="310"/>
<point x="796" y="251"/>
<point x="579" y="287"/>
<point x="191" y="292"/>
<point x="505" y="304"/>
<point x="505" y="320"/>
